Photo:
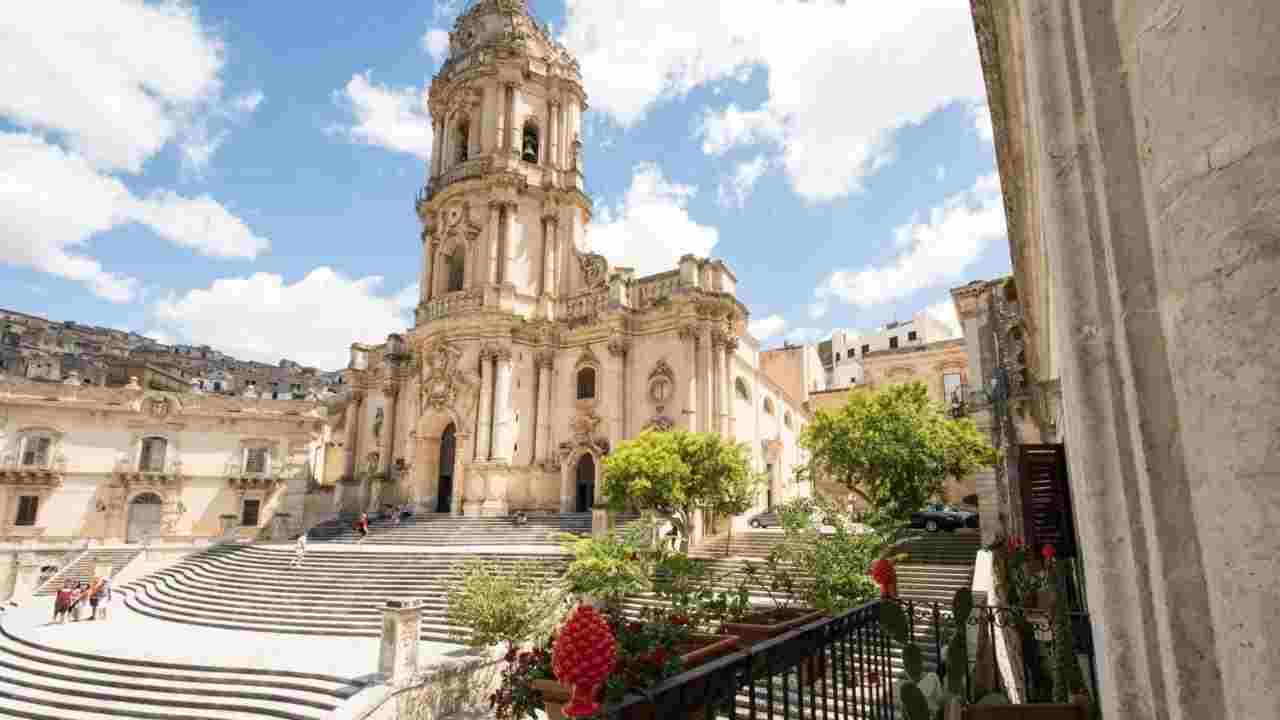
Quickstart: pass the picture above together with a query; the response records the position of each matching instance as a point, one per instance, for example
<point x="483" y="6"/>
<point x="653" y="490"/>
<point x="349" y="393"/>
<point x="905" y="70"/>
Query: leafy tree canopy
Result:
<point x="675" y="473"/>
<point x="893" y="448"/>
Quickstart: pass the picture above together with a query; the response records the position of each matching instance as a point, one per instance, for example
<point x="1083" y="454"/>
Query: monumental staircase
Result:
<point x="85" y="567"/>
<point x="439" y="529"/>
<point x="41" y="682"/>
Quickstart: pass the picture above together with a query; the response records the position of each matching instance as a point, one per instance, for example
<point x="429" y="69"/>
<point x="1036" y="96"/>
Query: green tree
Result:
<point x="675" y="474"/>
<point x="493" y="605"/>
<point x="893" y="448"/>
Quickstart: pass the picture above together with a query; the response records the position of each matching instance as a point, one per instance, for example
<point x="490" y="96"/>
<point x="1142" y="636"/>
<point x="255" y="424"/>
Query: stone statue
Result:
<point x="377" y="424"/>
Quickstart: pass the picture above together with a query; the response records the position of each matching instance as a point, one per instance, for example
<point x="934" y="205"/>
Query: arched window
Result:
<point x="529" y="146"/>
<point x="461" y="137"/>
<point x="151" y="458"/>
<point x="457" y="265"/>
<point x="786" y="419"/>
<point x="768" y="406"/>
<point x="586" y="383"/>
<point x="740" y="386"/>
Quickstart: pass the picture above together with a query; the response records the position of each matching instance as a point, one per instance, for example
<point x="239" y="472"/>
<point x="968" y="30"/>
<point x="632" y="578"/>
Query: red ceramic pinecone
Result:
<point x="582" y="657"/>
<point x="886" y="576"/>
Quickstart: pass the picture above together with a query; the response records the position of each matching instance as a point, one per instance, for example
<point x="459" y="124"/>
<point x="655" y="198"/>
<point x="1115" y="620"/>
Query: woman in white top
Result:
<point x="299" y="550"/>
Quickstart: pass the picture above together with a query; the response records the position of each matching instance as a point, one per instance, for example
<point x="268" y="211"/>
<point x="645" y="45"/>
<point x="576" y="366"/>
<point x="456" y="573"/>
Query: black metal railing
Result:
<point x="838" y="668"/>
<point x="846" y="668"/>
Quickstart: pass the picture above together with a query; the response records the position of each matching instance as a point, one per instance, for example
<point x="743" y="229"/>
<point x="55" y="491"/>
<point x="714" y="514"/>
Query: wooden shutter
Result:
<point x="1046" y="498"/>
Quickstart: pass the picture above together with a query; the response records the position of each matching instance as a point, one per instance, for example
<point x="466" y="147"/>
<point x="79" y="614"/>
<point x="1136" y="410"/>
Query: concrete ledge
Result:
<point x="444" y="688"/>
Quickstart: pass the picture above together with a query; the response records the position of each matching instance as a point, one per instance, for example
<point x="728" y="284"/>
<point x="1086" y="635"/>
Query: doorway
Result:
<point x="448" y="449"/>
<point x="145" y="517"/>
<point x="586" y="475"/>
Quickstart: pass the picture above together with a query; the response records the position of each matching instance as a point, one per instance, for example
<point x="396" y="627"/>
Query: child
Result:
<point x="364" y="526"/>
<point x="299" y="550"/>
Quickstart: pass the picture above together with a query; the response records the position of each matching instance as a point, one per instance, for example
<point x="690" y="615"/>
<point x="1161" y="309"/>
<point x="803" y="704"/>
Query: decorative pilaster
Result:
<point x="437" y="147"/>
<point x="484" y="415"/>
<point x="391" y="391"/>
<point x="513" y="132"/>
<point x="352" y="444"/>
<point x="511" y="211"/>
<point x="730" y="353"/>
<point x="705" y="379"/>
<point x="689" y="336"/>
<point x="619" y="348"/>
<point x="494" y="243"/>
<point x="428" y="266"/>
<point x="542" y="427"/>
<point x="502" y="420"/>
<point x="553" y="135"/>
<point x="719" y="400"/>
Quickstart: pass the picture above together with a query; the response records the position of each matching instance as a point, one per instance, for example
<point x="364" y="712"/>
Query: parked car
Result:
<point x="766" y="519"/>
<point x="943" y="517"/>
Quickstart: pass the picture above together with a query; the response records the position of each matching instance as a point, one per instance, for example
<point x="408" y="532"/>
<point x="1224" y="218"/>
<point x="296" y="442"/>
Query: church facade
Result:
<point x="532" y="357"/>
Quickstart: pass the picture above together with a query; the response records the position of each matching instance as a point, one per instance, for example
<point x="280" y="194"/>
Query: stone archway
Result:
<point x="445" y="469"/>
<point x="146" y="517"/>
<point x="434" y="430"/>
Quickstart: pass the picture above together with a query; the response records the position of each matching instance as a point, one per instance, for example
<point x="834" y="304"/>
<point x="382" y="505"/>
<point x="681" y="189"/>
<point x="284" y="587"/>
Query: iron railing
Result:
<point x="845" y="668"/>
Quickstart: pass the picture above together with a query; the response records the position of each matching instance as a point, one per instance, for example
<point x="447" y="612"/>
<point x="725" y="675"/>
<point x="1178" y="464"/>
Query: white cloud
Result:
<point x="733" y="191"/>
<point x="650" y="228"/>
<point x="982" y="122"/>
<point x="817" y="309"/>
<point x="260" y="317"/>
<point x="116" y="79"/>
<point x="767" y="327"/>
<point x="53" y="201"/>
<point x="248" y="102"/>
<point x="842" y="76"/>
<point x="945" y="313"/>
<point x="937" y="250"/>
<point x="391" y="118"/>
<point x="436" y="43"/>
<point x="805" y="335"/>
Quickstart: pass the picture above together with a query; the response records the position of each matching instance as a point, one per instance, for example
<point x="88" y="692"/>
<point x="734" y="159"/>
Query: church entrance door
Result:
<point x="586" y="482"/>
<point x="145" y="518"/>
<point x="448" y="449"/>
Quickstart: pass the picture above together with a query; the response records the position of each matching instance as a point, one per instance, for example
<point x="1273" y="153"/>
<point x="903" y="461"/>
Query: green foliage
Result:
<point x="612" y="567"/>
<point x="676" y="473"/>
<point x="893" y="448"/>
<point x="504" y="607"/>
<point x="1066" y="671"/>
<point x="825" y="568"/>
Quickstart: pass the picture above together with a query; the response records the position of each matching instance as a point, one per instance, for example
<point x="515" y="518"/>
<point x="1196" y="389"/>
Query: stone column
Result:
<point x="564" y="135"/>
<point x="446" y="143"/>
<point x="391" y="391"/>
<point x="494" y="96"/>
<point x="437" y="147"/>
<point x="619" y="348"/>
<point x="719" y="415"/>
<point x="494" y="244"/>
<point x="689" y="336"/>
<point x="398" y="652"/>
<point x="502" y="420"/>
<point x="705" y="381"/>
<point x="474" y="130"/>
<point x="729" y="398"/>
<point x="513" y="131"/>
<point x="553" y="134"/>
<point x="542" y="450"/>
<point x="550" y="225"/>
<point x="512" y="211"/>
<point x="485" y="412"/>
<point x="352" y="443"/>
<point x="26" y="576"/>
<point x="428" y="268"/>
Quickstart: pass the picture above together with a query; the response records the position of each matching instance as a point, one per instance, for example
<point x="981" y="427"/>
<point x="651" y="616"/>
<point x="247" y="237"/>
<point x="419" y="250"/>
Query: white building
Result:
<point x="842" y="354"/>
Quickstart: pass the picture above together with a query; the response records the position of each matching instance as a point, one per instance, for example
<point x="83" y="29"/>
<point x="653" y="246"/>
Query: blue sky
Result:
<point x="242" y="174"/>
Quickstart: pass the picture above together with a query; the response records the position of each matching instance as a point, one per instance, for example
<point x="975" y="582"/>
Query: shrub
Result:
<point x="504" y="607"/>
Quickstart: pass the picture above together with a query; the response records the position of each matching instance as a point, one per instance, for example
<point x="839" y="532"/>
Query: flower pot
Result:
<point x="761" y="626"/>
<point x="554" y="697"/>
<point x="1025" y="712"/>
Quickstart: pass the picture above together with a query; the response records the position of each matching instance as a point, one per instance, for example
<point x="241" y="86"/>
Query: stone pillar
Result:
<point x="727" y="393"/>
<point x="437" y="147"/>
<point x="474" y="130"/>
<point x="511" y="213"/>
<point x="494" y="245"/>
<point x="485" y="412"/>
<point x="280" y="527"/>
<point x="493" y="94"/>
<point x="502" y="420"/>
<point x="398" y="652"/>
<point x="542" y="443"/>
<point x="391" y="391"/>
<point x="601" y="523"/>
<point x="428" y="268"/>
<point x="553" y="134"/>
<point x="619" y="348"/>
<point x="229" y="524"/>
<point x="26" y="576"/>
<point x="352" y="443"/>
<point x="718" y="415"/>
<point x="513" y="130"/>
<point x="549" y="226"/>
<point x="705" y="381"/>
<point x="689" y="336"/>
<point x="564" y="135"/>
<point x="446" y="143"/>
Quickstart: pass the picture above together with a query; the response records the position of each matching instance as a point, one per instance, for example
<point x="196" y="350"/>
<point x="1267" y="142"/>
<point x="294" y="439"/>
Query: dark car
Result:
<point x="943" y="517"/>
<point x="765" y="519"/>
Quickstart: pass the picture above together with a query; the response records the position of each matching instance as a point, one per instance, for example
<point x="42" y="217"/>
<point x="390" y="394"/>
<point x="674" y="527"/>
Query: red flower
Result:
<point x="873" y="678"/>
<point x="1048" y="552"/>
<point x="679" y="620"/>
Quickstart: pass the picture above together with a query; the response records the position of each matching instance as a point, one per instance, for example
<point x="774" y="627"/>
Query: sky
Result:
<point x="241" y="174"/>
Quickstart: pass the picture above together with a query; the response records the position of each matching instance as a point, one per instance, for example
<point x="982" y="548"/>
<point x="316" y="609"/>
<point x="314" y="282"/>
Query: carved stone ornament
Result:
<point x="662" y="383"/>
<point x="619" y="346"/>
<point x="584" y="425"/>
<point x="441" y="378"/>
<point x="661" y="423"/>
<point x="594" y="268"/>
<point x="159" y="408"/>
<point x="587" y="358"/>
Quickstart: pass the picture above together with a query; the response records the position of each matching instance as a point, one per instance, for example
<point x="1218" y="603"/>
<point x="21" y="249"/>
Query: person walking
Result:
<point x="363" y="526"/>
<point x="104" y="596"/>
<point x="77" y="597"/>
<point x="94" y="587"/>
<point x="62" y="603"/>
<point x="299" y="551"/>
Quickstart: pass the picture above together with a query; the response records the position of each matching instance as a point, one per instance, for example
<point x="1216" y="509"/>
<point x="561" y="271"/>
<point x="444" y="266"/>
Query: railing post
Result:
<point x="398" y="652"/>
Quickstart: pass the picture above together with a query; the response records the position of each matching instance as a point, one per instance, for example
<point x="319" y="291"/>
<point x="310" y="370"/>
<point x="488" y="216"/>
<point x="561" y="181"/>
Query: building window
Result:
<point x="461" y="136"/>
<point x="35" y="450"/>
<point x="457" y="265"/>
<point x="866" y="349"/>
<point x="151" y="459"/>
<point x="951" y="383"/>
<point x="249" y="513"/>
<point x="256" y="460"/>
<point x="586" y="383"/>
<point x="911" y="336"/>
<point x="837" y="357"/>
<point x="893" y="342"/>
<point x="786" y="419"/>
<point x="768" y="406"/>
<point x="28" y="506"/>
<point x="529" y="152"/>
<point x="740" y="386"/>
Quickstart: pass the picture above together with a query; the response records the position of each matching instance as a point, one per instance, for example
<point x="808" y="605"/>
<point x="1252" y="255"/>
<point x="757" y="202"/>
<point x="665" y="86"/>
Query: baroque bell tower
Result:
<point x="503" y="211"/>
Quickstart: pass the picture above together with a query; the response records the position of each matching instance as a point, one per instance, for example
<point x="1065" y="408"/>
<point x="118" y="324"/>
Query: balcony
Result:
<point x="451" y="304"/>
